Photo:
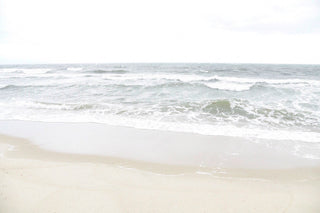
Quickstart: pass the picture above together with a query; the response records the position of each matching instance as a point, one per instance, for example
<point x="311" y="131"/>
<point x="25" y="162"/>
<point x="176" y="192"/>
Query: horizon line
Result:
<point x="257" y="63"/>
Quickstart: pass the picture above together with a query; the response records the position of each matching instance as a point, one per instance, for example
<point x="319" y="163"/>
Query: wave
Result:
<point x="11" y="86"/>
<point x="65" y="81"/>
<point x="236" y="111"/>
<point x="245" y="109"/>
<point x="26" y="70"/>
<point x="8" y="70"/>
<point x="256" y="102"/>
<point x="5" y="87"/>
<point x="215" y="81"/>
<point x="150" y="76"/>
<point x="50" y="105"/>
<point x="24" y="86"/>
<point x="193" y="77"/>
<point x="39" y="85"/>
<point x="251" y="133"/>
<point x="107" y="71"/>
<point x="216" y="117"/>
<point x="229" y="86"/>
<point x="266" y="80"/>
<point x="74" y="68"/>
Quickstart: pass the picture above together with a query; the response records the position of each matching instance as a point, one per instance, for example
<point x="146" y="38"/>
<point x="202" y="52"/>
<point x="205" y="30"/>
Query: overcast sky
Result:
<point x="94" y="31"/>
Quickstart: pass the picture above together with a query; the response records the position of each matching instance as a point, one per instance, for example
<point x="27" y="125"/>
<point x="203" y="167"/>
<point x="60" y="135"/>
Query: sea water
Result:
<point x="256" y="101"/>
<point x="246" y="100"/>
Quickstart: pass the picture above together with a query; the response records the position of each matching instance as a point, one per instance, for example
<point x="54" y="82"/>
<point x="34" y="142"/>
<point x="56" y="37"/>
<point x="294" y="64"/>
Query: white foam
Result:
<point x="229" y="86"/>
<point x="39" y="105"/>
<point x="266" y="80"/>
<point x="9" y="70"/>
<point x="25" y="70"/>
<point x="74" y="68"/>
<point x="3" y="85"/>
<point x="215" y="81"/>
<point x="35" y="71"/>
<point x="150" y="76"/>
<point x="219" y="129"/>
<point x="63" y="113"/>
<point x="224" y="82"/>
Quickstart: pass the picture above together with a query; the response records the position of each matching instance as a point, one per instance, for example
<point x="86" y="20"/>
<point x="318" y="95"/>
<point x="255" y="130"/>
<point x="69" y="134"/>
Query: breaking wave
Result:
<point x="245" y="101"/>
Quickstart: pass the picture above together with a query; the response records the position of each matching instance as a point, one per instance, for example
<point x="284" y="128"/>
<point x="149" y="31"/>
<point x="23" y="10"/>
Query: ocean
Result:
<point x="254" y="101"/>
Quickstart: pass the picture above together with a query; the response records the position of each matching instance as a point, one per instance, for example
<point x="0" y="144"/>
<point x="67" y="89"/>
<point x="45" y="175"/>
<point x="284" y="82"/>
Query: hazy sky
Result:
<point x="93" y="31"/>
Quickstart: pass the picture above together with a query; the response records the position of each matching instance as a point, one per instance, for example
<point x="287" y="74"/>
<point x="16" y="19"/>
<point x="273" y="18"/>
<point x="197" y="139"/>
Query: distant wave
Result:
<point x="25" y="70"/>
<point x="74" y="68"/>
<point x="125" y="83"/>
<point x="107" y="71"/>
<point x="11" y="86"/>
<point x="188" y="78"/>
<point x="227" y="83"/>
<point x="4" y="87"/>
<point x="245" y="101"/>
<point x="265" y="80"/>
<point x="229" y="86"/>
<point x="50" y="106"/>
<point x="214" y="82"/>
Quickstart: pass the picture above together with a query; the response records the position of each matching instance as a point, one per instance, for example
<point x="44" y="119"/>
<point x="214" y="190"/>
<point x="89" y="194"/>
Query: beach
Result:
<point x="34" y="179"/>
<point x="159" y="106"/>
<point x="160" y="137"/>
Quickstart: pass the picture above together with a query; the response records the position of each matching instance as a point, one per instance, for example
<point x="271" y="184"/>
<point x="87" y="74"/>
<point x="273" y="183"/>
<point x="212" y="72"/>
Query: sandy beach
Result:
<point x="37" y="180"/>
<point x="159" y="106"/>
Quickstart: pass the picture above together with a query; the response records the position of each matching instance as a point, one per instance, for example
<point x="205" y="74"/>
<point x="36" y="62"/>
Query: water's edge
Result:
<point x="163" y="147"/>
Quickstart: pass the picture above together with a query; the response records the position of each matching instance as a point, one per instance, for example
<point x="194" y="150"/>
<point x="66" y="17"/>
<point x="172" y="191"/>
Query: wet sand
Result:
<point x="37" y="180"/>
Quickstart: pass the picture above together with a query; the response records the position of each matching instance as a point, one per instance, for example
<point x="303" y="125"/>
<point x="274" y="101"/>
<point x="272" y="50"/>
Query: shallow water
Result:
<point x="204" y="153"/>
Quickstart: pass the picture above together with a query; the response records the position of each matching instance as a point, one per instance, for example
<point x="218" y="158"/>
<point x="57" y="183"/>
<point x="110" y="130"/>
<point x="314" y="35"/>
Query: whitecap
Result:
<point x="34" y="71"/>
<point x="231" y="86"/>
<point x="25" y="70"/>
<point x="74" y="68"/>
<point x="266" y="80"/>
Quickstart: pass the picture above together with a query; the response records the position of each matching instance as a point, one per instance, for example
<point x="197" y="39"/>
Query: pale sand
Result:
<point x="35" y="180"/>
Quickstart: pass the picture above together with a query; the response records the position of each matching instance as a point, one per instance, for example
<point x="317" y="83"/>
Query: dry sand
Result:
<point x="35" y="180"/>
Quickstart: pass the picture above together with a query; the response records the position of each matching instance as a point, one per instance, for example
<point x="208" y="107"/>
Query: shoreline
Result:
<point x="20" y="148"/>
<point x="164" y="147"/>
<point x="34" y="179"/>
<point x="37" y="180"/>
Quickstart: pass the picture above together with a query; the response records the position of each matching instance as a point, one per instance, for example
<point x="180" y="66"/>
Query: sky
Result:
<point x="118" y="31"/>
